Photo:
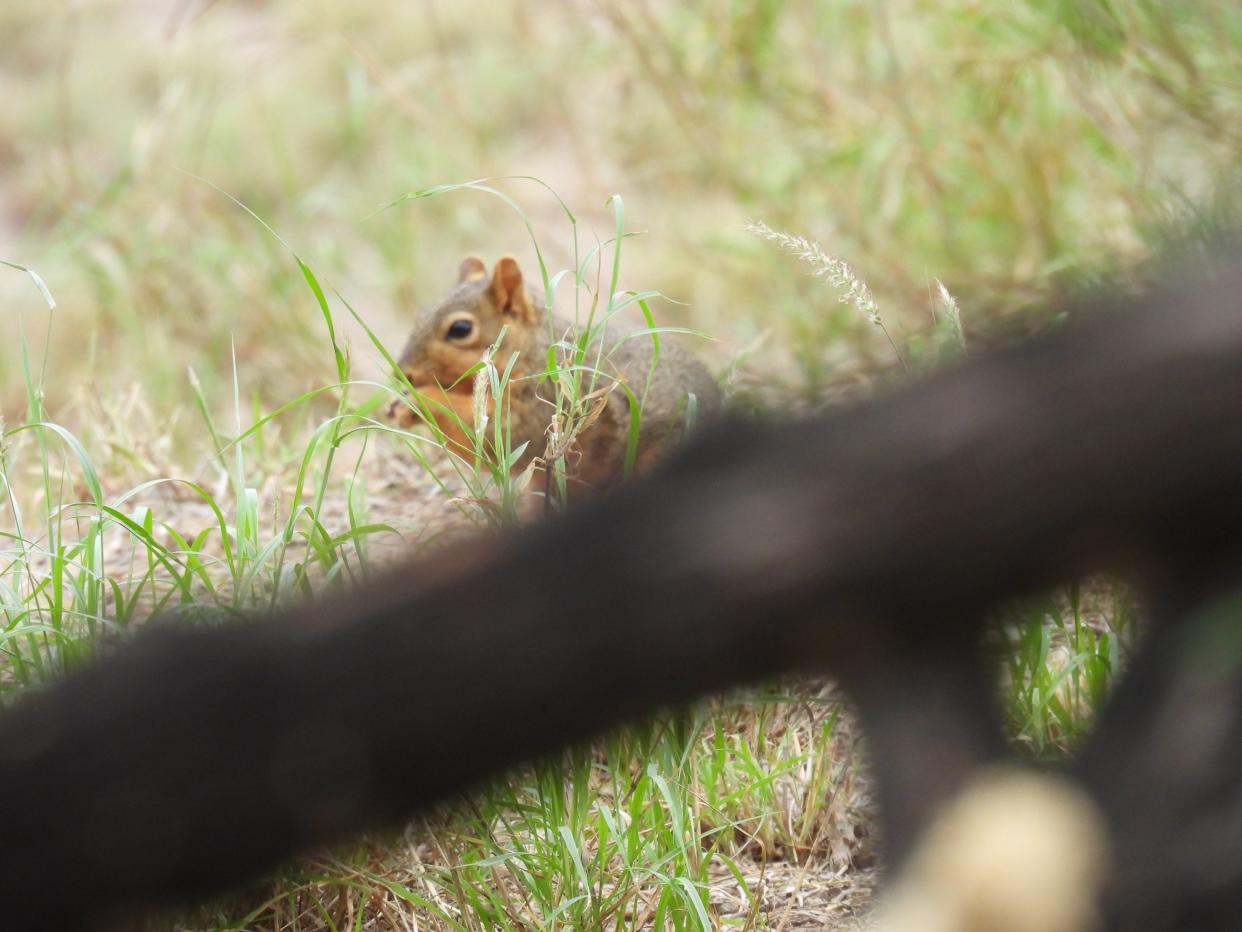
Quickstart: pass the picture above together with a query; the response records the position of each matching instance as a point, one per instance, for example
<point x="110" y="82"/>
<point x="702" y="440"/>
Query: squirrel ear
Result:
<point x="471" y="270"/>
<point x="508" y="291"/>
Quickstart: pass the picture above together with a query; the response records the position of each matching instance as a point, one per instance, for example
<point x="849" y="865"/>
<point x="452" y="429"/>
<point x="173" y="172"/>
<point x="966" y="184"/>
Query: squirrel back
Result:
<point x="450" y="338"/>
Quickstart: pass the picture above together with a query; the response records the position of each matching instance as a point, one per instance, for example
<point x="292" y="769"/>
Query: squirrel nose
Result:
<point x="418" y="376"/>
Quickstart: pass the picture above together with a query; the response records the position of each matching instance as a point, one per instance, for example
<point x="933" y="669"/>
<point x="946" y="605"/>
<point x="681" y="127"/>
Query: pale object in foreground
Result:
<point x="1016" y="851"/>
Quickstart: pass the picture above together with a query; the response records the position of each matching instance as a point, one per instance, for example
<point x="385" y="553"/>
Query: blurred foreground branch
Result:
<point x="869" y="543"/>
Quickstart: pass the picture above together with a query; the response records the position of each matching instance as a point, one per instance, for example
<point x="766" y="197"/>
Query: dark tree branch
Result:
<point x="189" y="762"/>
<point x="1165" y="766"/>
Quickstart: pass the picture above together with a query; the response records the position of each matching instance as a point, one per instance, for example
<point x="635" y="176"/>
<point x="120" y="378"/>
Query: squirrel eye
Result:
<point x="460" y="329"/>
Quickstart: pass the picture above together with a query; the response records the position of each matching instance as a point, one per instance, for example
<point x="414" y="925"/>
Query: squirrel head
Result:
<point x="451" y="337"/>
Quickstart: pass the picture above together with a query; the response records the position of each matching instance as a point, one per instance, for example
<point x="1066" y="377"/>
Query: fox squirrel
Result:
<point x="452" y="336"/>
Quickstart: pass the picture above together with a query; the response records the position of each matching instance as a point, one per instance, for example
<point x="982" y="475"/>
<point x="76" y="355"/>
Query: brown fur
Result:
<point x="436" y="361"/>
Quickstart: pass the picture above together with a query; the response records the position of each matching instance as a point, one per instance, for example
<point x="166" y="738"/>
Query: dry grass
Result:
<point x="1006" y="151"/>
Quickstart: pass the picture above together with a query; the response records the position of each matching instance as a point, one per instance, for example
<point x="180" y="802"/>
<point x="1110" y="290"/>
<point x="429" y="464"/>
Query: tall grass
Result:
<point x="1006" y="150"/>
<point x="1058" y="657"/>
<point x="577" y="366"/>
<point x="629" y="834"/>
<point x="642" y="830"/>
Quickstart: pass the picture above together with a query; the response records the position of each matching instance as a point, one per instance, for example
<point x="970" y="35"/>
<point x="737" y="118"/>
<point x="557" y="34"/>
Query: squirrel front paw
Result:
<point x="402" y="412"/>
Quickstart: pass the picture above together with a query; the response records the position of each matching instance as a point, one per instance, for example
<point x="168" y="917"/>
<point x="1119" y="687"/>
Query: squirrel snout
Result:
<point x="401" y="410"/>
<point x="417" y="375"/>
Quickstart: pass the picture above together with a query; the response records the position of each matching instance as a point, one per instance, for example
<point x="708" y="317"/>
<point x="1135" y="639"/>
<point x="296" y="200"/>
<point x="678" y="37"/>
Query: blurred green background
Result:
<point x="1012" y="151"/>
<point x="1005" y="149"/>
